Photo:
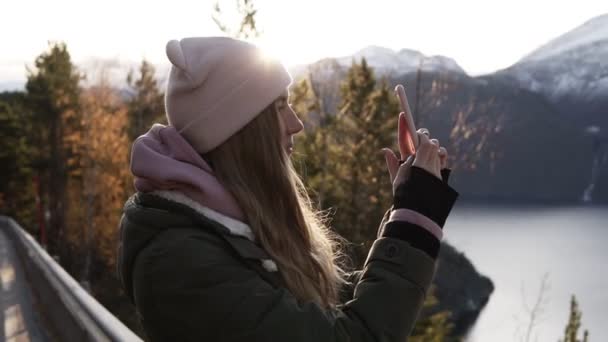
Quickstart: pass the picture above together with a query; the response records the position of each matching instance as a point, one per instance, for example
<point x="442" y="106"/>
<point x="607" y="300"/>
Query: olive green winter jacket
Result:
<point x="192" y="278"/>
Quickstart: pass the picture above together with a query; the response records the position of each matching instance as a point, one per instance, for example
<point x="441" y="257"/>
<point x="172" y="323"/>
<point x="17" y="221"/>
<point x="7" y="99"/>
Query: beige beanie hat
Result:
<point x="217" y="85"/>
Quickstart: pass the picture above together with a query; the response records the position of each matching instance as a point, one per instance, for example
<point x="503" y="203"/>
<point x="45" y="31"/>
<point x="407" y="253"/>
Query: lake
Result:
<point x="516" y="246"/>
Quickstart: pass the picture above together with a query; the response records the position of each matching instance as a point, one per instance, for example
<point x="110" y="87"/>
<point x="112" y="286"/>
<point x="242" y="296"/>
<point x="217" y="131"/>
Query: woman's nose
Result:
<point x="295" y="125"/>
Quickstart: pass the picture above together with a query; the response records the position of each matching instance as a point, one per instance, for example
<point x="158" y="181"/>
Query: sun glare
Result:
<point x="276" y="50"/>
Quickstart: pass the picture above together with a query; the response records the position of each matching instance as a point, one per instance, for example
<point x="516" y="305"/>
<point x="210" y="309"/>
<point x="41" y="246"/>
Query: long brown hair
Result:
<point x="255" y="168"/>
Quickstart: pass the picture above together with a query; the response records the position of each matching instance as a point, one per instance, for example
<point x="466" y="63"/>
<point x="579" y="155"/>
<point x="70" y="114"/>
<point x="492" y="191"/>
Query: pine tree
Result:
<point x="17" y="189"/>
<point x="366" y="122"/>
<point x="574" y="324"/>
<point x="434" y="327"/>
<point x="147" y="103"/>
<point x="53" y="93"/>
<point x="317" y="147"/>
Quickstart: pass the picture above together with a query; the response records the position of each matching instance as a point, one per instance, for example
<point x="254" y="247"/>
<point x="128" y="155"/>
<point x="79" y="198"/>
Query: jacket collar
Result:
<point x="237" y="229"/>
<point x="234" y="226"/>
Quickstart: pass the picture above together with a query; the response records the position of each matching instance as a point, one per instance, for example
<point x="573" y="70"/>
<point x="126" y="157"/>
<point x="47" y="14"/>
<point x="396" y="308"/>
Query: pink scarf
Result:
<point x="162" y="159"/>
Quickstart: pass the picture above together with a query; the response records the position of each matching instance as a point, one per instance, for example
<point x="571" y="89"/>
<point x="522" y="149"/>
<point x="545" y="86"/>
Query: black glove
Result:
<point x="445" y="175"/>
<point x="426" y="194"/>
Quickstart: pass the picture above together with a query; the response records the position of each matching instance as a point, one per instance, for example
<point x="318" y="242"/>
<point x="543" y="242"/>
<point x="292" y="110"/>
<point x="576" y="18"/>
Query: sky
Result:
<point x="482" y="36"/>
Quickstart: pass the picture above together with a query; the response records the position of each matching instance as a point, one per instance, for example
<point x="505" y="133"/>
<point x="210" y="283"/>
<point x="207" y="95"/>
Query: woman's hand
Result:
<point x="430" y="156"/>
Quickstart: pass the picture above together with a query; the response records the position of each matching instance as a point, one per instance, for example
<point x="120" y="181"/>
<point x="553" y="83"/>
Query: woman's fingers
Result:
<point x="398" y="172"/>
<point x="427" y="156"/>
<point x="426" y="146"/>
<point x="443" y="157"/>
<point x="392" y="163"/>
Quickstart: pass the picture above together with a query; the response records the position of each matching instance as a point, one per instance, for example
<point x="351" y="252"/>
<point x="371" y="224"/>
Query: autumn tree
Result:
<point x="106" y="176"/>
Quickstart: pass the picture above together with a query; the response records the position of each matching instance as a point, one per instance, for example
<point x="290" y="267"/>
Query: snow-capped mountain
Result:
<point x="594" y="30"/>
<point x="572" y="65"/>
<point x="385" y="60"/>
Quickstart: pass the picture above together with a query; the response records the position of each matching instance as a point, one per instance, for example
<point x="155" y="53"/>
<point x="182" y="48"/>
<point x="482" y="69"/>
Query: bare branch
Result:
<point x="537" y="310"/>
<point x="247" y="27"/>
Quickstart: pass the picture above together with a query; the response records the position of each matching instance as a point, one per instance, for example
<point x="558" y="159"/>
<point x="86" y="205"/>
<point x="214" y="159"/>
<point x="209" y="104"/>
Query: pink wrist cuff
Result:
<point x="417" y="219"/>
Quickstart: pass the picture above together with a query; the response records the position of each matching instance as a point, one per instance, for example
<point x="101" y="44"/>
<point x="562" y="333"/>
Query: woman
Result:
<point x="221" y="243"/>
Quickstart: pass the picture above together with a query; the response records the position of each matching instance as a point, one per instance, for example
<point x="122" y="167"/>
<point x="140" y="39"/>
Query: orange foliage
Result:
<point x="106" y="177"/>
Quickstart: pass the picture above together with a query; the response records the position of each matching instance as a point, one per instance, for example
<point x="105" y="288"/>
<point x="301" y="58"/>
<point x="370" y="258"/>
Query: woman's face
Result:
<point x="290" y="123"/>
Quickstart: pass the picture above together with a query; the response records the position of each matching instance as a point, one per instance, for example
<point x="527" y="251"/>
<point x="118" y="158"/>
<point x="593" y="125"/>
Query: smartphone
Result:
<point x="407" y="135"/>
